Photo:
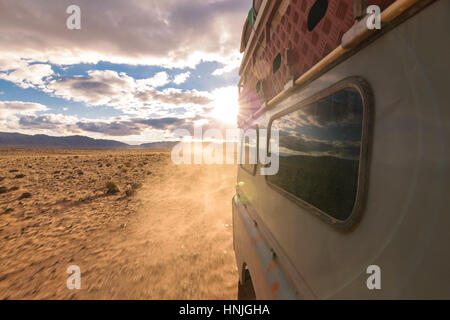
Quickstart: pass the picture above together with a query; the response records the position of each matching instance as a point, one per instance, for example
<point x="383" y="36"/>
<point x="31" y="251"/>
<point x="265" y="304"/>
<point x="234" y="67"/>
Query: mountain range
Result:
<point x="18" y="140"/>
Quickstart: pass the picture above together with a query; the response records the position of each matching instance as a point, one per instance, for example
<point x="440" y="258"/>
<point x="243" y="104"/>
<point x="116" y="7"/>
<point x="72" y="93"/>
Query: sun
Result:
<point x="225" y="106"/>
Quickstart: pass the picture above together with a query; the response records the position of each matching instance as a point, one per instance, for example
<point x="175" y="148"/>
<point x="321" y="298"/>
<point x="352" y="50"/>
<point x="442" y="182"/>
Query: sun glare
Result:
<point x="225" y="105"/>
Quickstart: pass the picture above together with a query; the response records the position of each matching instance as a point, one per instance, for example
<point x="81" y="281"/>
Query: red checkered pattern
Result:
<point x="306" y="48"/>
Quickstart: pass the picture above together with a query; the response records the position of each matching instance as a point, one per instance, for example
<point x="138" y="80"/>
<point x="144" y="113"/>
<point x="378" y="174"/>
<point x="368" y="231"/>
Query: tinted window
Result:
<point x="317" y="12"/>
<point x="320" y="146"/>
<point x="277" y="63"/>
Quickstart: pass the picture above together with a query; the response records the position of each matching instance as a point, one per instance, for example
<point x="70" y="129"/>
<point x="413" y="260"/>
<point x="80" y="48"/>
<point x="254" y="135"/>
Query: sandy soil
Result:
<point x="166" y="234"/>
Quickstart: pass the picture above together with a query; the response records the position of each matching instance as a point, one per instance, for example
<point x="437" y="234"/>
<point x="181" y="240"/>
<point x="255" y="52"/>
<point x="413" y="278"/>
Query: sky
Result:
<point x="134" y="72"/>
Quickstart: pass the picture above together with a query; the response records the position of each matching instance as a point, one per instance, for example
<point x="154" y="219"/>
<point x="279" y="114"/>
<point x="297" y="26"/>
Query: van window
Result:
<point x="316" y="13"/>
<point x="277" y="63"/>
<point x="249" y="155"/>
<point x="320" y="147"/>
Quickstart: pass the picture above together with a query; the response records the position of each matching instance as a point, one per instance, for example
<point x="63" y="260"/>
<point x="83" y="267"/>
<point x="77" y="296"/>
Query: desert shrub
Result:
<point x="2" y="178"/>
<point x="3" y="190"/>
<point x="25" y="195"/>
<point x="9" y="210"/>
<point x="131" y="191"/>
<point x="13" y="189"/>
<point x="14" y="170"/>
<point x="111" y="187"/>
<point x="124" y="170"/>
<point x="136" y="185"/>
<point x="19" y="176"/>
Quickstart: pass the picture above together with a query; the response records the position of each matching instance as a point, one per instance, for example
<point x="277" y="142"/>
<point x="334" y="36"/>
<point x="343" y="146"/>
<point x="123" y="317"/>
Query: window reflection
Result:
<point x="319" y="147"/>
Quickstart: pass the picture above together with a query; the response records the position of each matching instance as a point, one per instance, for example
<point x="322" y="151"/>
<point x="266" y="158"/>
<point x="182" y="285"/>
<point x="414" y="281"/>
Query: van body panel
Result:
<point x="404" y="227"/>
<point x="269" y="281"/>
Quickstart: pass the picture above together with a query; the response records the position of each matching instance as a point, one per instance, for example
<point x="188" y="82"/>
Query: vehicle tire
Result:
<point x="246" y="290"/>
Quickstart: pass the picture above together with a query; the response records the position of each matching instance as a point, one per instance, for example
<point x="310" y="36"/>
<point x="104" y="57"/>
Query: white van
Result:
<point x="360" y="206"/>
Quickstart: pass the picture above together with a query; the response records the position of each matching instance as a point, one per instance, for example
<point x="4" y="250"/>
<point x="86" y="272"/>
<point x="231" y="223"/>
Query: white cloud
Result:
<point x="98" y="88"/>
<point x="124" y="128"/>
<point x="233" y="64"/>
<point x="181" y="78"/>
<point x="118" y="90"/>
<point x="168" y="33"/>
<point x="9" y="61"/>
<point x="172" y="96"/>
<point x="158" y="80"/>
<point x="56" y="122"/>
<point x="28" y="75"/>
<point x="12" y="108"/>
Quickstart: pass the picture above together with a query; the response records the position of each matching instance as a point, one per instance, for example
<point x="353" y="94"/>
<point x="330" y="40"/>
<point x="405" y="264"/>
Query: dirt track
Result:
<point x="172" y="240"/>
<point x="179" y="246"/>
<point x="187" y="221"/>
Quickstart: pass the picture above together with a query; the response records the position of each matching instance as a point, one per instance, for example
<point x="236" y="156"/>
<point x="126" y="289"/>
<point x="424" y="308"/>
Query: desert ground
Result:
<point x="138" y="226"/>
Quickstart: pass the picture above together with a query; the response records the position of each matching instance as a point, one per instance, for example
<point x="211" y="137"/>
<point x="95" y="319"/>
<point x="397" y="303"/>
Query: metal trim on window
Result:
<point x="365" y="91"/>
<point x="255" y="166"/>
